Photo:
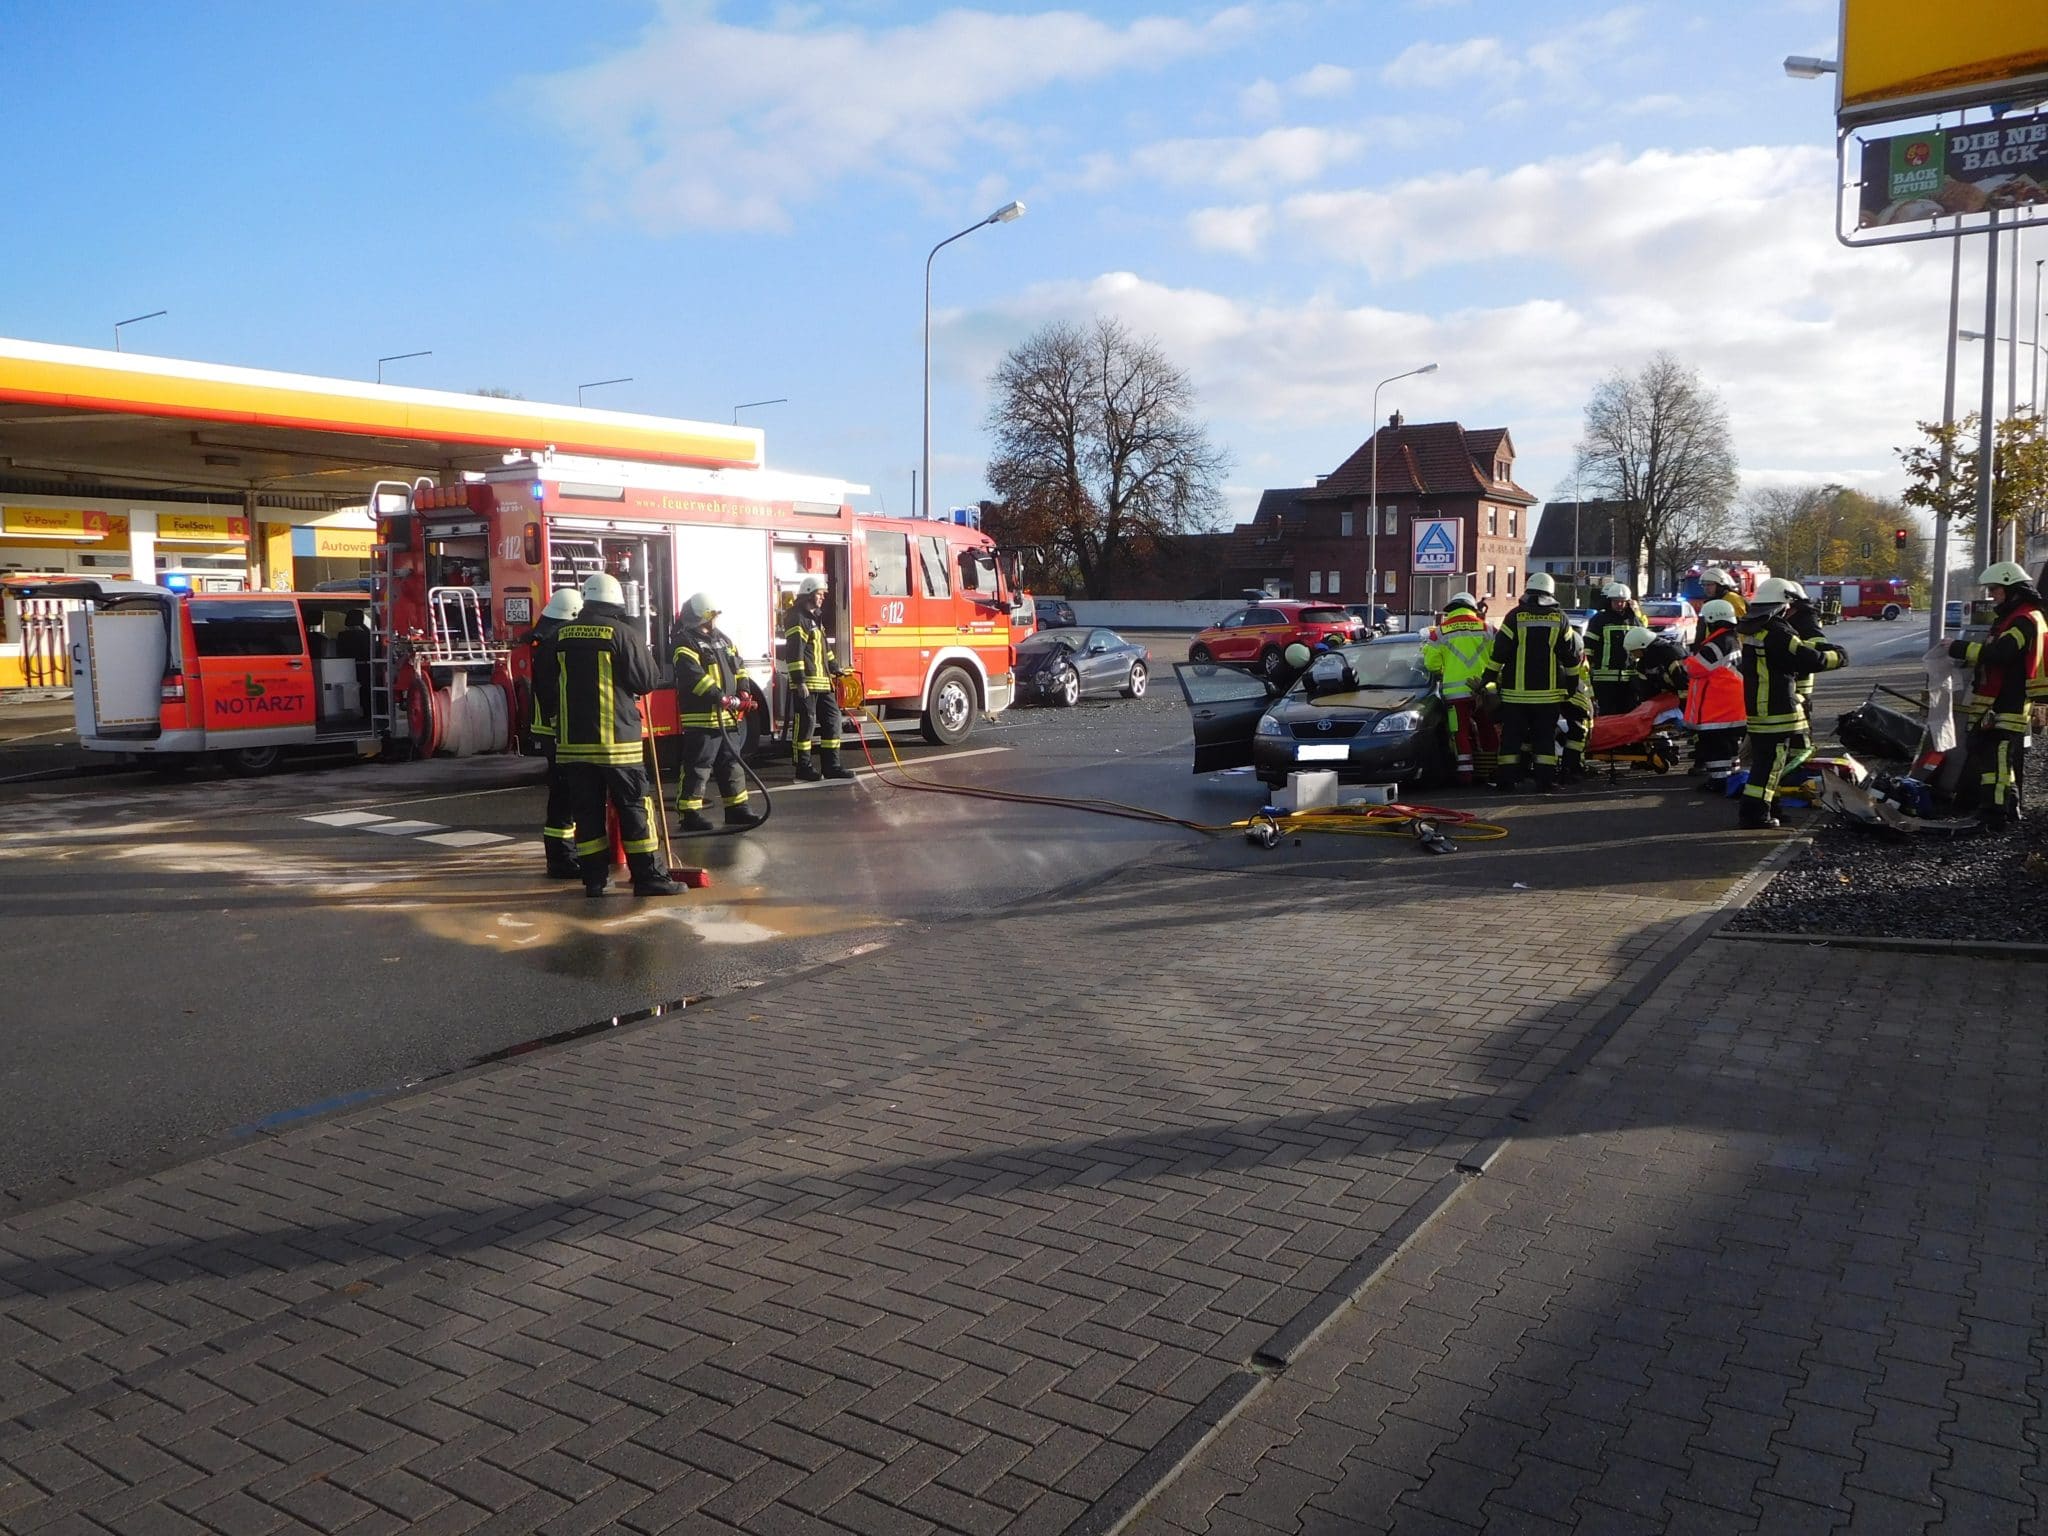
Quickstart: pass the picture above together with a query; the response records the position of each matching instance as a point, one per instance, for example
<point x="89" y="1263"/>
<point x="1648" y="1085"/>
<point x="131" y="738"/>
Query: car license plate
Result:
<point x="1322" y="751"/>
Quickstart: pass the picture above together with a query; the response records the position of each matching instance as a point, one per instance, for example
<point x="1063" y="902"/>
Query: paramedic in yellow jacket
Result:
<point x="1454" y="654"/>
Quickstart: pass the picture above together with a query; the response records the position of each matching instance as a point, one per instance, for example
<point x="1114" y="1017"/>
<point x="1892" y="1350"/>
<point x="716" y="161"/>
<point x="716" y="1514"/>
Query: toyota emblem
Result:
<point x="1323" y="724"/>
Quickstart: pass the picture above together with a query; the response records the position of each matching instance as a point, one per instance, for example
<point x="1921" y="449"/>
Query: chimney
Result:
<point x="1395" y="421"/>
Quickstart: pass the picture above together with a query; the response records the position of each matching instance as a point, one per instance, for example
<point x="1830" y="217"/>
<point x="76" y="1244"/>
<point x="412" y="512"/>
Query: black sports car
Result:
<point x="1368" y="711"/>
<point x="1064" y="666"/>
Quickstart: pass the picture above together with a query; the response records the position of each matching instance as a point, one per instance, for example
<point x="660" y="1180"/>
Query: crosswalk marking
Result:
<point x="403" y="828"/>
<point x="346" y="818"/>
<point x="461" y="839"/>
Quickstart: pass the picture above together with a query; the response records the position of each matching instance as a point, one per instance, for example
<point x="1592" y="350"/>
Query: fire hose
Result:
<point x="745" y="704"/>
<point x="1425" y="823"/>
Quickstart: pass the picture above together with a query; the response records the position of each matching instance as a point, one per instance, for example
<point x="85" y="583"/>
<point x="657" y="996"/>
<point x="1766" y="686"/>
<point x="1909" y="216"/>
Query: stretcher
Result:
<point x="1646" y="735"/>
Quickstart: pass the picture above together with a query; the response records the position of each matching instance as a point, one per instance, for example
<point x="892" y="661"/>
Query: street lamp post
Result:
<point x="599" y="384"/>
<point x="1002" y="215"/>
<point x="1372" y="540"/>
<point x="397" y="357"/>
<point x="131" y="321"/>
<point x="748" y="405"/>
<point x="1937" y="607"/>
<point x="2034" y="367"/>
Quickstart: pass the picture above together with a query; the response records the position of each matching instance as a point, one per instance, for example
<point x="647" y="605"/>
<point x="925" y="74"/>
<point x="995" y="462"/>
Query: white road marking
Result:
<point x="403" y="828"/>
<point x="345" y="818"/>
<point x="465" y="839"/>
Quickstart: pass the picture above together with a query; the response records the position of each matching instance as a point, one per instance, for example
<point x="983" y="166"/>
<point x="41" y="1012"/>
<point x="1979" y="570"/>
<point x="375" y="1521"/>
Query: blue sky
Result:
<point x="733" y="202"/>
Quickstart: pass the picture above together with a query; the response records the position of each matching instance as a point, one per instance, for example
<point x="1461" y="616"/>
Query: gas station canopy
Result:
<point x="76" y="412"/>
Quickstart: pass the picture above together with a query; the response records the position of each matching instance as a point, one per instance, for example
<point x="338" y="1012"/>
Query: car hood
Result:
<point x="1366" y="704"/>
<point x="1036" y="659"/>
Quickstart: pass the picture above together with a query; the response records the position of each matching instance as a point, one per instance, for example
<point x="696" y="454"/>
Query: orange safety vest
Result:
<point x="1713" y="683"/>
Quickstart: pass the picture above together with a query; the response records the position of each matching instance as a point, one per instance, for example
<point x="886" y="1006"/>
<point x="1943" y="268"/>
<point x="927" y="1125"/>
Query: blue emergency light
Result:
<point x="177" y="581"/>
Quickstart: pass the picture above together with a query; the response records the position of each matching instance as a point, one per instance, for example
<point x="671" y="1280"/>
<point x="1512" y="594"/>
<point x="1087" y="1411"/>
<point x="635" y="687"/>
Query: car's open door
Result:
<point x="1225" y="704"/>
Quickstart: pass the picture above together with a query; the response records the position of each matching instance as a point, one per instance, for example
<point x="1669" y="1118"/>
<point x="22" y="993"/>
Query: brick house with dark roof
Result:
<point x="1315" y="541"/>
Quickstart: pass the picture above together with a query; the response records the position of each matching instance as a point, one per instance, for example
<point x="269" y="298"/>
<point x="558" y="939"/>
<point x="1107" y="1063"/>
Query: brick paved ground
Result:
<point x="945" y="1238"/>
<point x="1772" y="1267"/>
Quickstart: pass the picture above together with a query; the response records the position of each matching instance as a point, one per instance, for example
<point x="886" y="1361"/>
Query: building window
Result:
<point x="1500" y="469"/>
<point x="1334" y="579"/>
<point x="1344" y="524"/>
<point x="1390" y="582"/>
<point x="1512" y="519"/>
<point x="1315" y="583"/>
<point x="1489" y="581"/>
<point x="1393" y="524"/>
<point x="1511" y="581"/>
<point x="1493" y="520"/>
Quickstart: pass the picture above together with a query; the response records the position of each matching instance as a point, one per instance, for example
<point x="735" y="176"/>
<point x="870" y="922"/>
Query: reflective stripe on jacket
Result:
<point x="707" y="669"/>
<point x="1534" y="654"/>
<point x="2009" y="662"/>
<point x="1774" y="658"/>
<point x="1607" y="658"/>
<point x="1455" y="653"/>
<point x="601" y="668"/>
<point x="809" y="647"/>
<point x="1713" y="681"/>
<point x="541" y="637"/>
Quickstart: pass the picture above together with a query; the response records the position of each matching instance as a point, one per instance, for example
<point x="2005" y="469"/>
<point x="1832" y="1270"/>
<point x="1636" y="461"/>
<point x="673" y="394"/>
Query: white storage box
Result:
<point x="1307" y="790"/>
<point x="1366" y="794"/>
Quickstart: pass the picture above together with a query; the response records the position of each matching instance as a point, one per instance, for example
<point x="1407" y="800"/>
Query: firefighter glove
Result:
<point x="1959" y="650"/>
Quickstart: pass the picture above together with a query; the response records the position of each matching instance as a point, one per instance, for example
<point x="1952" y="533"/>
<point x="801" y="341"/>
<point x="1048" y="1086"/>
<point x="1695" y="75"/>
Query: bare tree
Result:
<point x="1098" y="454"/>
<point x="1657" y="443"/>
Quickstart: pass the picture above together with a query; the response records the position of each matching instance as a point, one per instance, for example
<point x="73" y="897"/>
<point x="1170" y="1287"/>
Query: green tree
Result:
<point x="2019" y="473"/>
<point x="1830" y="530"/>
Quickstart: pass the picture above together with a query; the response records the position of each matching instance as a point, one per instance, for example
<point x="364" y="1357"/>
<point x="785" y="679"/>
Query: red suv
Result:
<point x="1258" y="635"/>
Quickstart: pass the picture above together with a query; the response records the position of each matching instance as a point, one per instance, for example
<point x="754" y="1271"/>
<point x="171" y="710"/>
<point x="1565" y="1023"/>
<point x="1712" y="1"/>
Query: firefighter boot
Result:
<point x="739" y="817"/>
<point x="596" y="873"/>
<point x="807" y="768"/>
<point x="830" y="755"/>
<point x="696" y="821"/>
<point x="1755" y="815"/>
<point x="562" y="863"/>
<point x="649" y="878"/>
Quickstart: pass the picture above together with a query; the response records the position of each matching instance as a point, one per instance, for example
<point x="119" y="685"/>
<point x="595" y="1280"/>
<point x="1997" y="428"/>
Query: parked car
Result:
<point x="1669" y="616"/>
<point x="1054" y="613"/>
<point x="1374" y="618"/>
<point x="1367" y="711"/>
<point x="1064" y="666"/>
<point x="1258" y="636"/>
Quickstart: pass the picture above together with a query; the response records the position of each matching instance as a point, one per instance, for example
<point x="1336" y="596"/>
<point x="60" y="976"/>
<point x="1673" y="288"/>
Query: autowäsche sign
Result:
<point x="1942" y="172"/>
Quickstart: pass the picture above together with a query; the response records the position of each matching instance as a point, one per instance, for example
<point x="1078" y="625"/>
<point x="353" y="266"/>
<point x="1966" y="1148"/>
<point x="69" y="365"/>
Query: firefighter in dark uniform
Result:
<point x="1774" y="658"/>
<point x="1531" y="671"/>
<point x="2008" y="663"/>
<point x="813" y="707"/>
<point x="709" y="702"/>
<point x="558" y="830"/>
<point x="1809" y="622"/>
<point x="1576" y="715"/>
<point x="599" y="669"/>
<point x="1614" y="687"/>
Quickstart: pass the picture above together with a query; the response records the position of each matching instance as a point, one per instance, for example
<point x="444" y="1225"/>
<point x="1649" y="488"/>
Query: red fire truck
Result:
<point x="1859" y="597"/>
<point x="920" y="610"/>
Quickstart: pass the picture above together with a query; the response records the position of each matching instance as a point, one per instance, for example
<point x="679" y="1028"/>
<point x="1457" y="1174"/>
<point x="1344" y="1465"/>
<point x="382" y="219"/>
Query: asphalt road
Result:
<point x="196" y="960"/>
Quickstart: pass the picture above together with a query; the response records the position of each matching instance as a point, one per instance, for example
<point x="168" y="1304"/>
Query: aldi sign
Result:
<point x="1439" y="541"/>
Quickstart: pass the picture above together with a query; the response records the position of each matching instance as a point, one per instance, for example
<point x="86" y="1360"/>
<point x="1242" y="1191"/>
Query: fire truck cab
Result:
<point x="920" y="611"/>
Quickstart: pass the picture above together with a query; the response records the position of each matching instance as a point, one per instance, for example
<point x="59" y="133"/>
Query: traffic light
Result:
<point x="1898" y="538"/>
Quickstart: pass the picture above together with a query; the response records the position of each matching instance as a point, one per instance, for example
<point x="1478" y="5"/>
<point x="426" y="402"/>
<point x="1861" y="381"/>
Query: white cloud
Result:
<point x="1238" y="231"/>
<point x="1279" y="155"/>
<point x="705" y="123"/>
<point x="1322" y="80"/>
<point x="1260" y="99"/>
<point x="1824" y="356"/>
<point x="1428" y="66"/>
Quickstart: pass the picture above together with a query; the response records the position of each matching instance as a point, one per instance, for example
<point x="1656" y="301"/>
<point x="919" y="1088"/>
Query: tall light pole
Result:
<point x="1002" y="215"/>
<point x="599" y="384"/>
<point x="1372" y="540"/>
<point x="396" y="357"/>
<point x="748" y="405"/>
<point x="119" y="323"/>
<point x="1937" y="606"/>
<point x="2034" y="368"/>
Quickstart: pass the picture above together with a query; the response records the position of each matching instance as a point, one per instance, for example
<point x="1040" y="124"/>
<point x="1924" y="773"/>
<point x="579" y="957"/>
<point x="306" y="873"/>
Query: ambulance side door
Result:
<point x="252" y="664"/>
<point x="887" y="623"/>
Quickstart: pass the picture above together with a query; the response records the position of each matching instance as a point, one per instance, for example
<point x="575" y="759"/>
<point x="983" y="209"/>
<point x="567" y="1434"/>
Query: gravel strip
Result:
<point x="1973" y="886"/>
